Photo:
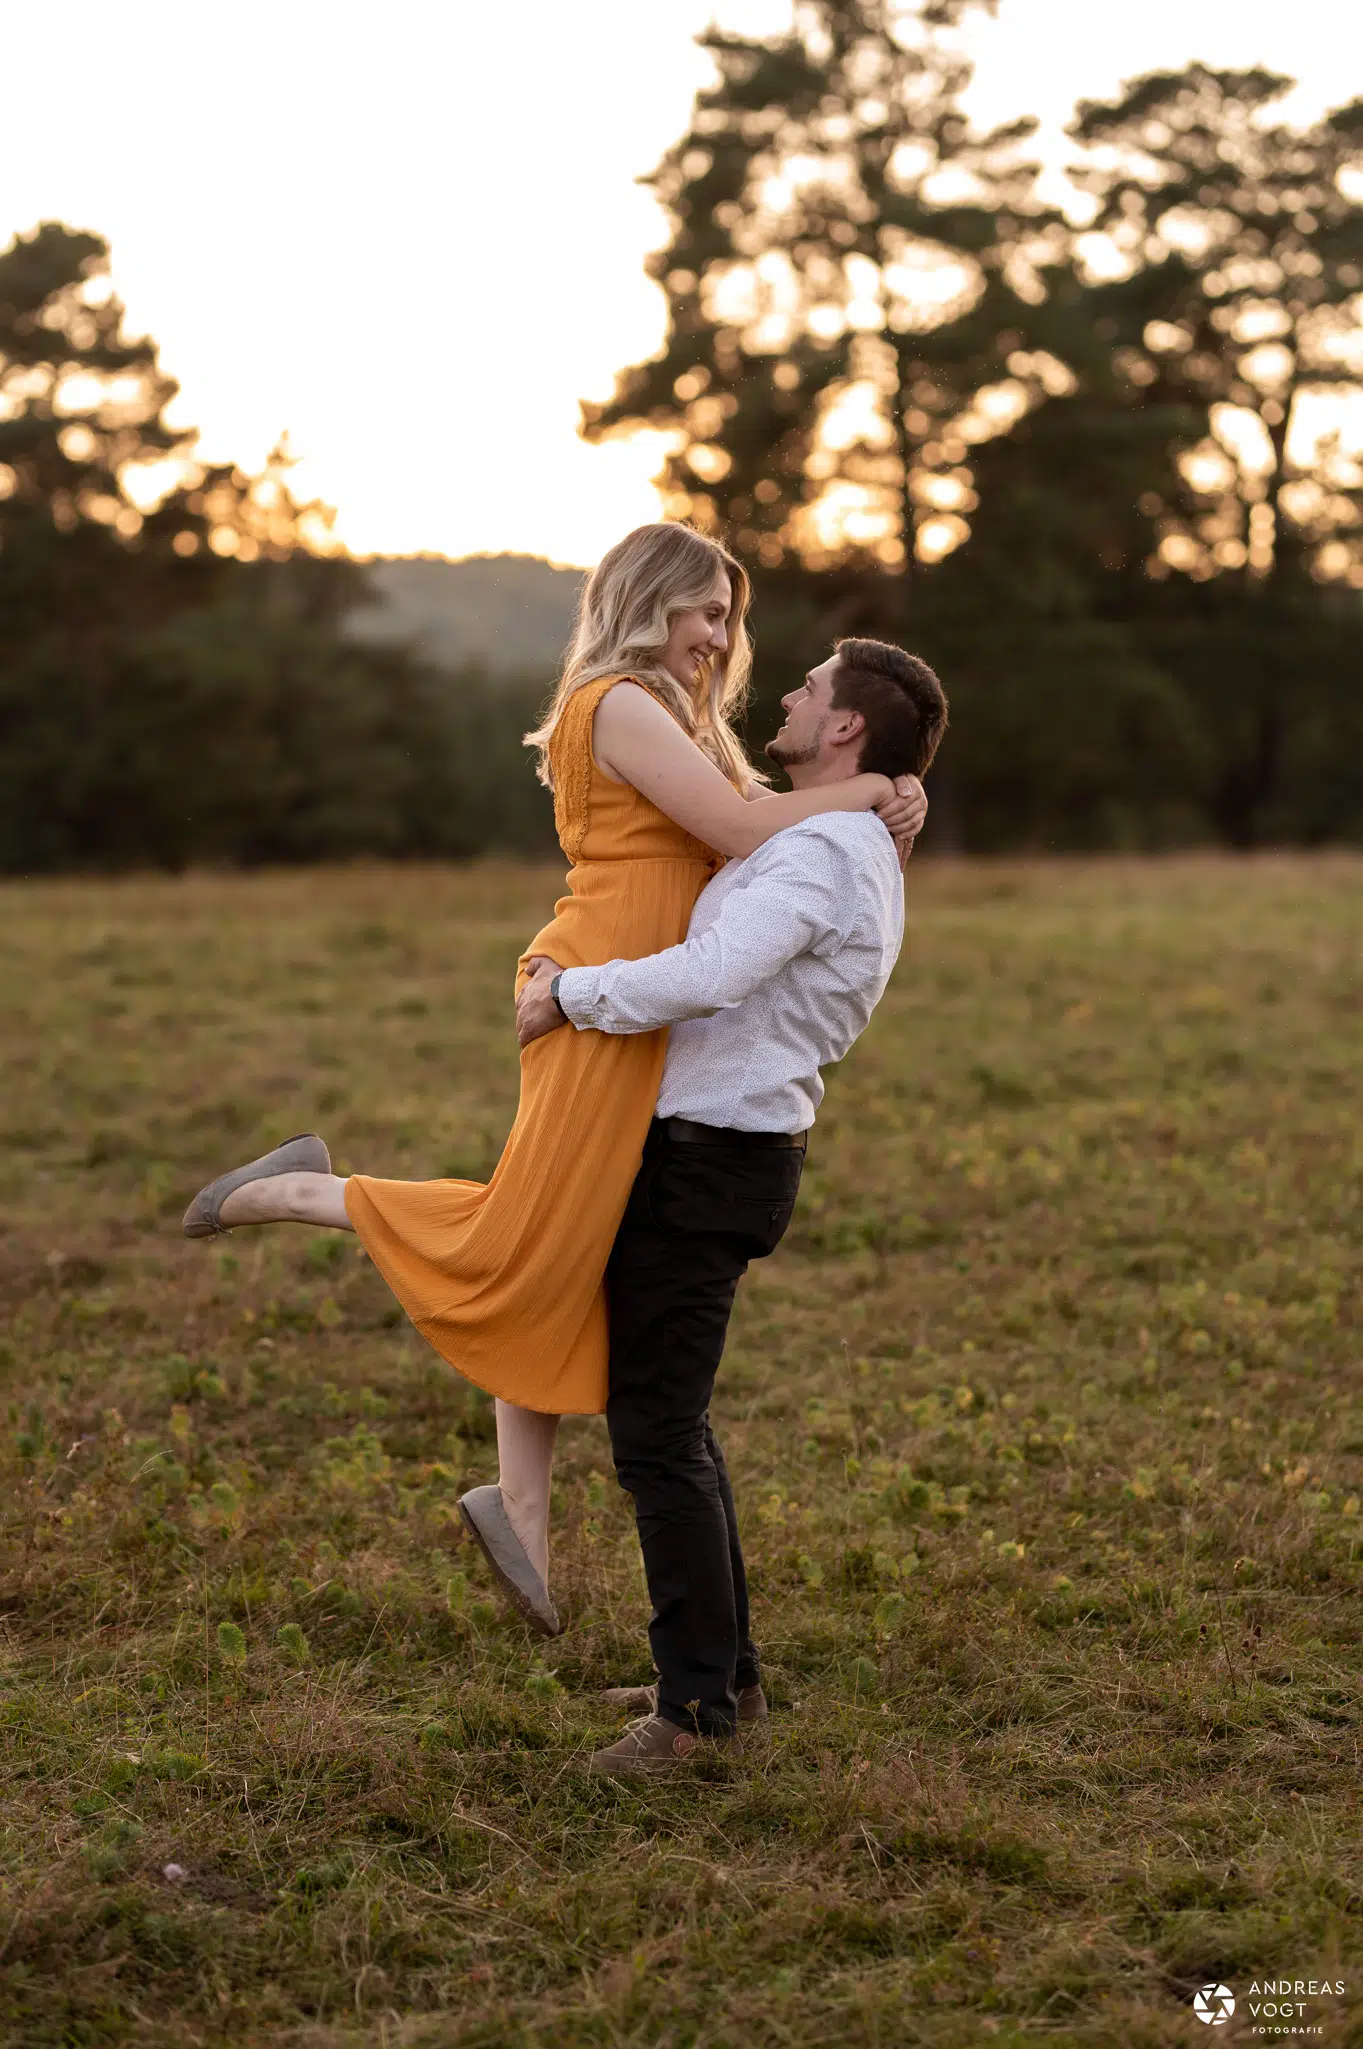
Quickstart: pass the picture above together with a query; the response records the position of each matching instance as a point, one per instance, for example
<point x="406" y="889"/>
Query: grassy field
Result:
<point x="1047" y="1429"/>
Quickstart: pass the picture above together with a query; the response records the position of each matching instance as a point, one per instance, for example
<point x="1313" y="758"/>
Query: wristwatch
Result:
<point x="553" y="991"/>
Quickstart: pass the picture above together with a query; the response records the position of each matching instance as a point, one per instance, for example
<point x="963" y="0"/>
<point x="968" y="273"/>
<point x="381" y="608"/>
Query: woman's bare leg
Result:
<point x="525" y="1438"/>
<point x="525" y="1461"/>
<point x="289" y="1199"/>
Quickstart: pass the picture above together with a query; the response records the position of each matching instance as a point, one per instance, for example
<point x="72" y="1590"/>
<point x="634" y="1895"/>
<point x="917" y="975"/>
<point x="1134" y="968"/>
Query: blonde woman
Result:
<point x="652" y="791"/>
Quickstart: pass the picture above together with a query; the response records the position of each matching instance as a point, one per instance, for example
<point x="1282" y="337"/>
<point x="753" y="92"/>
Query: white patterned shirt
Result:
<point x="787" y="954"/>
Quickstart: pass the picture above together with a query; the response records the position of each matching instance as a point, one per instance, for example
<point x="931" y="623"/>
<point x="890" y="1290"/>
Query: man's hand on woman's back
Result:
<point x="536" y="1010"/>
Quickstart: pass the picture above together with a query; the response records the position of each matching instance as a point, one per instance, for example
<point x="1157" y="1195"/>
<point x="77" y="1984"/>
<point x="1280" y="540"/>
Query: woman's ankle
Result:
<point x="244" y="1206"/>
<point x="530" y="1521"/>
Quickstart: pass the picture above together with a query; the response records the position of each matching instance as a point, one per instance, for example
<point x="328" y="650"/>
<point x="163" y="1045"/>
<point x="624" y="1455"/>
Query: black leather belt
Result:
<point x="688" y="1133"/>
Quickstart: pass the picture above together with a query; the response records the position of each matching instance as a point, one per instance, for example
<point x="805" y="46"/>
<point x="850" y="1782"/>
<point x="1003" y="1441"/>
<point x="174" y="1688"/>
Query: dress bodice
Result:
<point x="597" y="818"/>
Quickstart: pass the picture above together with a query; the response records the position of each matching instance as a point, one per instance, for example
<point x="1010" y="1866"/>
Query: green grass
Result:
<point x="1047" y="1429"/>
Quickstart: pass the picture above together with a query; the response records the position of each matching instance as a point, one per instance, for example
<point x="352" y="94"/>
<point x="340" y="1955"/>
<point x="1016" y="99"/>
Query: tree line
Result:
<point x="177" y="682"/>
<point x="1098" y="463"/>
<point x="1094" y="463"/>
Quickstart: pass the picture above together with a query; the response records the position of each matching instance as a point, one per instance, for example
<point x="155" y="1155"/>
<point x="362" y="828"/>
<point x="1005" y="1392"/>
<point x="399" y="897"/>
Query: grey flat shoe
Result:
<point x="303" y="1155"/>
<point x="485" y="1515"/>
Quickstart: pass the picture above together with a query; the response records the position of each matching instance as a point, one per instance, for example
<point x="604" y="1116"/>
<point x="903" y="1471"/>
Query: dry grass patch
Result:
<point x="1047" y="1428"/>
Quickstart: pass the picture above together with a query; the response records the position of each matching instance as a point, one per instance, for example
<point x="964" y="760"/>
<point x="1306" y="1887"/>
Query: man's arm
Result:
<point x="798" y="904"/>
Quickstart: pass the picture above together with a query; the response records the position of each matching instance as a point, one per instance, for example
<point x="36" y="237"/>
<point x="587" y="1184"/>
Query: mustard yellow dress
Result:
<point x="505" y="1279"/>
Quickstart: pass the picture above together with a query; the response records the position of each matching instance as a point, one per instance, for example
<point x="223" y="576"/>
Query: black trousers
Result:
<point x="696" y="1215"/>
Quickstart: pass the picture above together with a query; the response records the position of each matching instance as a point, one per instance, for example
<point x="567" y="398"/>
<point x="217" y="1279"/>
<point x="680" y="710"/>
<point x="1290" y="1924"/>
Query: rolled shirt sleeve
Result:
<point x="797" y="902"/>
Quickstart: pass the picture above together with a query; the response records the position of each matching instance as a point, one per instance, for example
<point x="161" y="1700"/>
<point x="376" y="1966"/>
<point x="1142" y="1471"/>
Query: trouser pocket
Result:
<point x="747" y="1192"/>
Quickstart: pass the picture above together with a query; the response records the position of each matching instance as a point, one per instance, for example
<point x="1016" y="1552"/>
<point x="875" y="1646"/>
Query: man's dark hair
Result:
<point x="901" y="700"/>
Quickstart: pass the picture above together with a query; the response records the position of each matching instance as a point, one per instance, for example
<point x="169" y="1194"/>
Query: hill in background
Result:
<point x="510" y="613"/>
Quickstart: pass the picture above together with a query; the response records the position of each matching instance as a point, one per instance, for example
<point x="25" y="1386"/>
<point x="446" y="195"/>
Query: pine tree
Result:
<point x="863" y="301"/>
<point x="834" y="224"/>
<point x="1237" y="243"/>
<point x="105" y="517"/>
<point x="1242" y="240"/>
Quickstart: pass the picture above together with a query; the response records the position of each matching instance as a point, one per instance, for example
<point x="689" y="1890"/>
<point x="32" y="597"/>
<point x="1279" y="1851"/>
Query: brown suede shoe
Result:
<point x="752" y="1702"/>
<point x="655" y="1748"/>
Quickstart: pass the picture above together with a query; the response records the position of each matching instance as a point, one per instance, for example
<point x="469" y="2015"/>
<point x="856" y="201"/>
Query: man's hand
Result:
<point x="903" y="814"/>
<point x="536" y="1010"/>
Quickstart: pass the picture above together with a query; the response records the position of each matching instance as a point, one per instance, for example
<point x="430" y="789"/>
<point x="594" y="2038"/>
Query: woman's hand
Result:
<point x="902" y="813"/>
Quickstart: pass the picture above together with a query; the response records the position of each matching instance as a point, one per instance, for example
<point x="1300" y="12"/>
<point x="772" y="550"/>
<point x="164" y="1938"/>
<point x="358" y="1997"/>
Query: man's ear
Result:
<point x="851" y="725"/>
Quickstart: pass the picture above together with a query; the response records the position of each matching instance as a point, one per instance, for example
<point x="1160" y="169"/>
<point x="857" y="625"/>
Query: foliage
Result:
<point x="176" y="681"/>
<point x="815" y="281"/>
<point x="1088" y="465"/>
<point x="1241" y="240"/>
<point x="1044" y="1424"/>
<point x="106" y="520"/>
<point x="1240" y="246"/>
<point x="1093" y="466"/>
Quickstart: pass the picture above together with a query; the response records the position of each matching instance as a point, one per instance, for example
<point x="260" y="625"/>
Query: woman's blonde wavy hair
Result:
<point x="623" y="619"/>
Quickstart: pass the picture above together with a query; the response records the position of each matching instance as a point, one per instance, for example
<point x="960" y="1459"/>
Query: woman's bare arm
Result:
<point x="638" y="742"/>
<point x="903" y="818"/>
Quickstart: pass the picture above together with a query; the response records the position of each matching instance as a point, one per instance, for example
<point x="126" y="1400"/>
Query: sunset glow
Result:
<point x="413" y="239"/>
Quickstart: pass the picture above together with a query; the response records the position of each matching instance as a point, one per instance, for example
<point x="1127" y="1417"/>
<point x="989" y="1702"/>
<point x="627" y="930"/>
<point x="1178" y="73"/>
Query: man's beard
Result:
<point x="785" y="754"/>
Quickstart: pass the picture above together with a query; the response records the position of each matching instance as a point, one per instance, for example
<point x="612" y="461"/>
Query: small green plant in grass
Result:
<point x="864" y="1679"/>
<point x="313" y="1880"/>
<point x="231" y="1646"/>
<point x="293" y="1643"/>
<point x="108" y="1854"/>
<point x="179" y="1765"/>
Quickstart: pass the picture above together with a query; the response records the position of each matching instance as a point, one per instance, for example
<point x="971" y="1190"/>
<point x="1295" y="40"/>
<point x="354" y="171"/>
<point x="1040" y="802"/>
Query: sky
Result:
<point x="411" y="236"/>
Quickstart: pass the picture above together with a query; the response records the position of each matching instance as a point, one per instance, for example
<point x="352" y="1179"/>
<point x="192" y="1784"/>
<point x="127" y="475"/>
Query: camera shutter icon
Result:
<point x="1214" y="2005"/>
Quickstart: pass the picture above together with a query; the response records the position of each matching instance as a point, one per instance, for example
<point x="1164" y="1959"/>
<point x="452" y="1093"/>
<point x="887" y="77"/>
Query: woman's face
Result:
<point x="697" y="635"/>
